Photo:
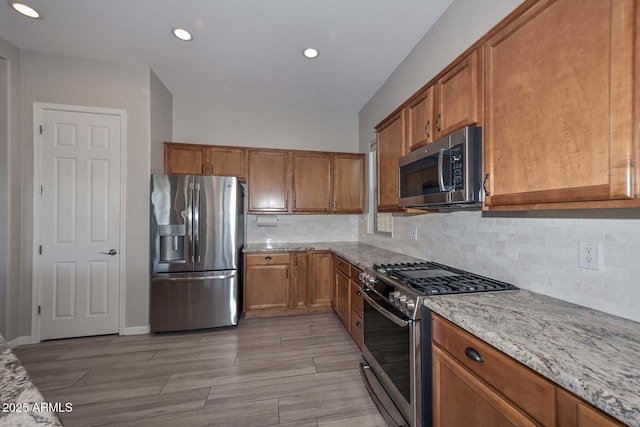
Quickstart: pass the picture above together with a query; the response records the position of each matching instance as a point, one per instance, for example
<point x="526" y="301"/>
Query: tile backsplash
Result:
<point x="303" y="228"/>
<point x="532" y="251"/>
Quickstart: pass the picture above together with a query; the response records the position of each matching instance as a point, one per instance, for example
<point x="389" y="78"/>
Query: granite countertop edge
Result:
<point x="19" y="396"/>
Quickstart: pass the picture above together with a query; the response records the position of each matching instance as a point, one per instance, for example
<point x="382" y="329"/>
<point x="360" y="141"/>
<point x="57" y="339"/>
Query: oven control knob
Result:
<point x="410" y="305"/>
<point x="394" y="295"/>
<point x="402" y="299"/>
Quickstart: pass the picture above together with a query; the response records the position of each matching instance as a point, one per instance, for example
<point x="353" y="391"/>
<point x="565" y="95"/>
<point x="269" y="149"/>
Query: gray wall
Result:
<point x="534" y="250"/>
<point x="75" y="81"/>
<point x="244" y="123"/>
<point x="161" y="116"/>
<point x="10" y="189"/>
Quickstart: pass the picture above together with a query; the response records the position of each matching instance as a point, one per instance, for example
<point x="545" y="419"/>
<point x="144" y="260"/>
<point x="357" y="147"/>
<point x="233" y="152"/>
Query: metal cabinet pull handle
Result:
<point x="358" y="324"/>
<point x="473" y="354"/>
<point x="426" y="128"/>
<point x="484" y="185"/>
<point x="268" y="258"/>
<point x="438" y="122"/>
<point x="359" y="293"/>
<point x="111" y="252"/>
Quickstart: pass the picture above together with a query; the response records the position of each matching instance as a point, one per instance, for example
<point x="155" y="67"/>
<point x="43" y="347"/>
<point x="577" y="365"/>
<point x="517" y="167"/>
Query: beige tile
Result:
<point x="338" y="362"/>
<point x="364" y="418"/>
<point x="252" y="414"/>
<point x="133" y="408"/>
<point x="354" y="397"/>
<point x="256" y="371"/>
<point x="280" y="387"/>
<point x="103" y="392"/>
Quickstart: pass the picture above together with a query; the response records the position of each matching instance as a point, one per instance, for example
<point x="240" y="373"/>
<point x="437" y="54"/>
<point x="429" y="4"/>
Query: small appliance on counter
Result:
<point x="197" y="234"/>
<point x="397" y="340"/>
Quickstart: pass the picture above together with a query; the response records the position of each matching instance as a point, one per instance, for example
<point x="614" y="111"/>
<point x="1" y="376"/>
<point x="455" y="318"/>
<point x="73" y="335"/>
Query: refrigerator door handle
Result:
<point x="196" y="226"/>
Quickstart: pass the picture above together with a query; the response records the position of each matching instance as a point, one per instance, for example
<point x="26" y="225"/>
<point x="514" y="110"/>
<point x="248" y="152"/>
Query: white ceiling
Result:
<point x="248" y="49"/>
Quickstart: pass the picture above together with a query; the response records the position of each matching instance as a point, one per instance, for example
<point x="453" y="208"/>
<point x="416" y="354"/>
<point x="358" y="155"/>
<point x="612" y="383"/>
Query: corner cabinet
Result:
<point x="559" y="106"/>
<point x="390" y="146"/>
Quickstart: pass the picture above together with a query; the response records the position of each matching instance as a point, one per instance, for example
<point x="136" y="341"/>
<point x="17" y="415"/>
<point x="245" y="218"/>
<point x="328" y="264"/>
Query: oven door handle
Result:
<point x="395" y="319"/>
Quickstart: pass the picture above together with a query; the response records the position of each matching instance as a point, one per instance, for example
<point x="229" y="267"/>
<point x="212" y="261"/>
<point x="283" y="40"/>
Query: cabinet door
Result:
<point x="348" y="183"/>
<point x="185" y="159"/>
<point x="268" y="181"/>
<point x="300" y="280"/>
<point x="226" y="161"/>
<point x="420" y="118"/>
<point x="320" y="279"/>
<point x="267" y="287"/>
<point x="311" y="182"/>
<point x="559" y="105"/>
<point x="573" y="412"/>
<point x="458" y="96"/>
<point x="390" y="147"/>
<point x="343" y="307"/>
<point x="461" y="399"/>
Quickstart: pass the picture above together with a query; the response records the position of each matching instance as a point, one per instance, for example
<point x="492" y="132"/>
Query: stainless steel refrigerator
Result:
<point x="197" y="234"/>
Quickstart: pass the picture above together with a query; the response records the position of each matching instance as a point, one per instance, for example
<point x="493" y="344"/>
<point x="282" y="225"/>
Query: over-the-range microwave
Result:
<point x="444" y="174"/>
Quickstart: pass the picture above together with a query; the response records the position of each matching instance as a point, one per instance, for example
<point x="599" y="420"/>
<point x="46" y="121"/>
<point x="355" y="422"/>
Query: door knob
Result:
<point x="111" y="252"/>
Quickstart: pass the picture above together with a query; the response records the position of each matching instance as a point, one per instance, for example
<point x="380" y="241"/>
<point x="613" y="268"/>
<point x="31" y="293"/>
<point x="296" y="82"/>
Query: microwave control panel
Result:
<point x="457" y="167"/>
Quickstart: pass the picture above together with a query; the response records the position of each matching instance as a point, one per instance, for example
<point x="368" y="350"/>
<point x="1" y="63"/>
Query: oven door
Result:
<point x="391" y="349"/>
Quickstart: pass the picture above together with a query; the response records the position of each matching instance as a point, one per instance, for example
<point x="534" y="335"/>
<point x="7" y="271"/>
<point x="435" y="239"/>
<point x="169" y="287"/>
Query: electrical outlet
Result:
<point x="414" y="233"/>
<point x="589" y="255"/>
<point x="313" y="228"/>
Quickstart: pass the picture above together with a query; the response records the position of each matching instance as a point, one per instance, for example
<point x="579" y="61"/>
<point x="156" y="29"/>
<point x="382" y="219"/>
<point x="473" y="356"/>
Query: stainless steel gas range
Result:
<point x="396" y="366"/>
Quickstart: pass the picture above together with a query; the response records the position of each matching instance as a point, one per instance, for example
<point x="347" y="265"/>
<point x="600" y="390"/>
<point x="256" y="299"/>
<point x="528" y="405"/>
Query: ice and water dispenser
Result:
<point x="172" y="243"/>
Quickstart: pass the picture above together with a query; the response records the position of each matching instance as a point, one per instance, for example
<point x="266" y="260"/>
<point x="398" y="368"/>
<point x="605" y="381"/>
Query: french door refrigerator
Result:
<point x="197" y="234"/>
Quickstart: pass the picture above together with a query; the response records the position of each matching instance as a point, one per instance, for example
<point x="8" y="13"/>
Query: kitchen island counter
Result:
<point x="22" y="403"/>
<point x="590" y="353"/>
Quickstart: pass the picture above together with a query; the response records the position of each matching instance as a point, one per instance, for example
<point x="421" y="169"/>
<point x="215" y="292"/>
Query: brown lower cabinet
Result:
<point x="282" y="283"/>
<point x="347" y="297"/>
<point x="475" y="384"/>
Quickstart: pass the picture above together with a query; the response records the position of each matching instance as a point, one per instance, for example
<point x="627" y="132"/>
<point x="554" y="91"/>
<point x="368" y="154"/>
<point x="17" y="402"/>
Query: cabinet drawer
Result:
<point x="354" y="273"/>
<point x="356" y="328"/>
<point x="342" y="265"/>
<point x="267" y="258"/>
<point x="525" y="388"/>
<point x="356" y="299"/>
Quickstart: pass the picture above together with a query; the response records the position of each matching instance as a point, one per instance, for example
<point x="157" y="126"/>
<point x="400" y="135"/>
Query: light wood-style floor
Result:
<point x="294" y="371"/>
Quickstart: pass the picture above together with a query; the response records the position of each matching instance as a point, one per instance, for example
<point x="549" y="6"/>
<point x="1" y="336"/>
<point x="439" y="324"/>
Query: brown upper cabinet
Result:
<point x="390" y="147"/>
<point x="193" y="159"/>
<point x="311" y="182"/>
<point x="348" y="183"/>
<point x="268" y="181"/>
<point x="559" y="105"/>
<point x="450" y="103"/>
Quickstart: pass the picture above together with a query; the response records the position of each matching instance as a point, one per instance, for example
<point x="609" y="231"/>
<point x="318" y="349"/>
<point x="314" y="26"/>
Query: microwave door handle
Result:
<point x="440" y="169"/>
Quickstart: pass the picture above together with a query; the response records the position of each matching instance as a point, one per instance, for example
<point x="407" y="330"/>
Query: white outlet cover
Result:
<point x="590" y="255"/>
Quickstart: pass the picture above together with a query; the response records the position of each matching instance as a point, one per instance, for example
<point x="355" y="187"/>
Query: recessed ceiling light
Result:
<point x="25" y="10"/>
<point x="310" y="53"/>
<point x="182" y="34"/>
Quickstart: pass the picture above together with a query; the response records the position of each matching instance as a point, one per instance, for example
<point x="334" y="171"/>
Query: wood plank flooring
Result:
<point x="285" y="371"/>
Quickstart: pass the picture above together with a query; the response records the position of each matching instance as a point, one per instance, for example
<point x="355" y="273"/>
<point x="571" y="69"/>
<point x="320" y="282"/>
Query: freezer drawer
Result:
<point x="182" y="301"/>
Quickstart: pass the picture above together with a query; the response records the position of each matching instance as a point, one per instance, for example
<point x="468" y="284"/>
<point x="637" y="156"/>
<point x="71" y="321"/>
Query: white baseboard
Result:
<point x="20" y="341"/>
<point x="136" y="330"/>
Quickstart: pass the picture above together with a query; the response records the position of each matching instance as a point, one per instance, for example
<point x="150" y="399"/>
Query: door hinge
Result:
<point x="40" y="249"/>
<point x="39" y="309"/>
<point x="41" y="129"/>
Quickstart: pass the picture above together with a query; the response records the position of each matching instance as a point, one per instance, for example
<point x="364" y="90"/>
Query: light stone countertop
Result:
<point x="20" y="400"/>
<point x="593" y="354"/>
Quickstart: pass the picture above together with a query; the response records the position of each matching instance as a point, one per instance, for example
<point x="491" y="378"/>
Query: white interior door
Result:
<point x="79" y="223"/>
